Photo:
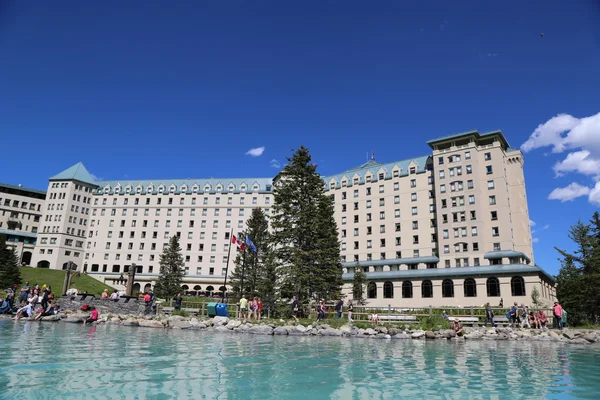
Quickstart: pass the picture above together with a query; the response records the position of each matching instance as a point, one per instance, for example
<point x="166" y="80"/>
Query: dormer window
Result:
<point x="255" y="188"/>
<point x="219" y="188"/>
<point x="161" y="189"/>
<point x="231" y="188"/>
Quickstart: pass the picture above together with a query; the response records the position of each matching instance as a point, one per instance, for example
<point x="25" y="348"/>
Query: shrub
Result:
<point x="432" y="323"/>
<point x="181" y="313"/>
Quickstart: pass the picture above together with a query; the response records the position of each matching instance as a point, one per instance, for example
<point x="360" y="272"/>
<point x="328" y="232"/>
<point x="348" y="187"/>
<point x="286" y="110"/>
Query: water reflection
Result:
<point x="47" y="360"/>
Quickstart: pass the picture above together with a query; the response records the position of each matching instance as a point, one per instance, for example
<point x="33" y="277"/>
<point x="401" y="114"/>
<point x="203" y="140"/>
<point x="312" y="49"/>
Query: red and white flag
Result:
<point x="241" y="245"/>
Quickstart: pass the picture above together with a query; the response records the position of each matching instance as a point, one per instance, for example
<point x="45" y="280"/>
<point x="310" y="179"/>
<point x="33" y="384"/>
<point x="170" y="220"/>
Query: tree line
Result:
<point x="578" y="281"/>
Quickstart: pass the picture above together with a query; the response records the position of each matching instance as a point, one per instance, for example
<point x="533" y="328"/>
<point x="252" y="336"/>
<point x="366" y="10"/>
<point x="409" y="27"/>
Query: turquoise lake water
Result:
<point x="63" y="361"/>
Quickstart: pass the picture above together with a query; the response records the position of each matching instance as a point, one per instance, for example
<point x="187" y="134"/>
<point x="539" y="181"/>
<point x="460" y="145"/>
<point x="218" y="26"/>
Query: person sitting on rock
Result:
<point x="374" y="318"/>
<point x="53" y="309"/>
<point x="5" y="308"/>
<point x="93" y="316"/>
<point x="456" y="327"/>
<point x="533" y="321"/>
<point x="542" y="319"/>
<point x="26" y="310"/>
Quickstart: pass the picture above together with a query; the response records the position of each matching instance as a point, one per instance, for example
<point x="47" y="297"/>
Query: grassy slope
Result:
<point x="56" y="278"/>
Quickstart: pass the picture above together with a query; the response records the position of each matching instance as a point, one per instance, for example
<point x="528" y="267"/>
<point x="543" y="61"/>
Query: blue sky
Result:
<point x="185" y="89"/>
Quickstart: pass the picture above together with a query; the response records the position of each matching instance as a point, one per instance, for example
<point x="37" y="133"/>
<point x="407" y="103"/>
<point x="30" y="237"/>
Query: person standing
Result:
<point x="24" y="293"/>
<point x="321" y="310"/>
<point x="489" y="315"/>
<point x="259" y="304"/>
<point x="243" y="305"/>
<point x="557" y="311"/>
<point x="178" y="301"/>
<point x="294" y="308"/>
<point x="350" y="310"/>
<point x="339" y="308"/>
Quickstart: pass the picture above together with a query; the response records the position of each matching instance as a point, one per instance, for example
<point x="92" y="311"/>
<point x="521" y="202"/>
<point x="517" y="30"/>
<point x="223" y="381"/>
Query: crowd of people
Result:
<point x="250" y="308"/>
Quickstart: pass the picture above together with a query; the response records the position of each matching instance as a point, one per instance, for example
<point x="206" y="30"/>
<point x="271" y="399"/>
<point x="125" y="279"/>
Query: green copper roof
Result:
<point x="393" y="261"/>
<point x="75" y="173"/>
<point x="489" y="270"/>
<point x="373" y="167"/>
<point x="17" y="233"/>
<point x="495" y="255"/>
<point x="475" y="133"/>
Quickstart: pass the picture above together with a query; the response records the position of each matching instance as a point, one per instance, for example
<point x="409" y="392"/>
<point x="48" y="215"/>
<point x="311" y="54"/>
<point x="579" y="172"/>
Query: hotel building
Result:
<point x="448" y="228"/>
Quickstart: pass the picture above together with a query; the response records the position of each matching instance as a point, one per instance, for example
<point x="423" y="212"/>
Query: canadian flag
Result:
<point x="241" y="245"/>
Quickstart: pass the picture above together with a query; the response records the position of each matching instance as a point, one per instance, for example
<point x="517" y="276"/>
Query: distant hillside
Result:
<point x="55" y="279"/>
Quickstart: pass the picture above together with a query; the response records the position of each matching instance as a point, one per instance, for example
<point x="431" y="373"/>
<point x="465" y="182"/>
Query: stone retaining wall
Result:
<point x="104" y="306"/>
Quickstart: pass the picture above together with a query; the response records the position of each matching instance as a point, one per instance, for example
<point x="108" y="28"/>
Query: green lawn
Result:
<point x="55" y="279"/>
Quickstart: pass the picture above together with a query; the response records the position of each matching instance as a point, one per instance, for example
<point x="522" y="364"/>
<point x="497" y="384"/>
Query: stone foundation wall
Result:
<point x="123" y="306"/>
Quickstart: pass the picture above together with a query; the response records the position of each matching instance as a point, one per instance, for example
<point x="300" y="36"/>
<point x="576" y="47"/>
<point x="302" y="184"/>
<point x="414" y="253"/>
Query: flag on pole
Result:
<point x="250" y="244"/>
<point x="241" y="245"/>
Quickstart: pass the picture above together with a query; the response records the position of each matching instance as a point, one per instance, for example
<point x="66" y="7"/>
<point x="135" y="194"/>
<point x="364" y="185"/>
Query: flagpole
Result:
<point x="227" y="266"/>
<point x="243" y="264"/>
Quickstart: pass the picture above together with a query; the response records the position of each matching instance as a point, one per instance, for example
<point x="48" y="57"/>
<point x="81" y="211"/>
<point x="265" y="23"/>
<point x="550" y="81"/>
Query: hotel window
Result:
<point x="369" y="244"/>
<point x="355" y="231"/>
<point x="230" y="199"/>
<point x="180" y="223"/>
<point x="487" y="156"/>
<point x="255" y="200"/>
<point x="217" y="211"/>
<point x="398" y="226"/>
<point x="168" y="223"/>
<point x="414" y="211"/>
<point x="205" y="200"/>
<point x="488" y="169"/>
<point x="456" y="232"/>
<point x="442" y="174"/>
<point x="215" y="224"/>
<point x="440" y="160"/>
<point x="469" y="184"/>
<point x="356" y="219"/>
<point x="169" y="212"/>
<point x="212" y="261"/>
<point x="240" y="224"/>
<point x="463" y="232"/>
<point x="343" y="220"/>
<point x="368" y="191"/>
<point x="381" y="228"/>
<point x="396" y="186"/>
<point x="356" y="205"/>
<point x="451" y="171"/>
<point x="416" y="239"/>
<point x="343" y="195"/>
<point x="415" y="224"/>
<point x="398" y="241"/>
<point x="413" y="183"/>
<point x="494" y="215"/>
<point x="382" y="243"/>
<point x="445" y="234"/>
<point x="192" y="212"/>
<point x="356" y="193"/>
<point x="471" y="199"/>
<point x="413" y="197"/>
<point x="496" y="247"/>
<point x="180" y="212"/>
<point x="415" y="253"/>
<point x="241" y="212"/>
<point x="446" y="249"/>
<point x="396" y="199"/>
<point x="469" y="169"/>
<point x="382" y="202"/>
<point x="412" y="170"/>
<point x="157" y="212"/>
<point x="203" y="224"/>
<point x="343" y="245"/>
<point x="475" y="246"/>
<point x="467" y="155"/>
<point x="381" y="189"/>
<point x="443" y="188"/>
<point x="343" y="233"/>
<point x="490" y="184"/>
<point x="368" y="203"/>
<point x="218" y="200"/>
<point x="472" y="215"/>
<point x="190" y="235"/>
<point x="355" y="245"/>
<point x="213" y="247"/>
<point x="397" y="213"/>
<point x="458" y="170"/>
<point x="343" y="208"/>
<point x="432" y="208"/>
<point x="474" y="231"/>
<point x="495" y="231"/>
<point x="228" y="224"/>
<point x="228" y="212"/>
<point x="492" y="200"/>
<point x="476" y="261"/>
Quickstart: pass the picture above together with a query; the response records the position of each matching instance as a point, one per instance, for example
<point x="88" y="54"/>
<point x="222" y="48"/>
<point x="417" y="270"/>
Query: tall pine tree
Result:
<point x="579" y="277"/>
<point x="358" y="285"/>
<point x="305" y="233"/>
<point x="249" y="265"/>
<point x="171" y="271"/>
<point x="10" y="274"/>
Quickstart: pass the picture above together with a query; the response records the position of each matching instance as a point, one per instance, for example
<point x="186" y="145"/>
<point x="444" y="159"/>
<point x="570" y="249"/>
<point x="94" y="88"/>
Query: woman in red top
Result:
<point x="259" y="304"/>
<point x="93" y="316"/>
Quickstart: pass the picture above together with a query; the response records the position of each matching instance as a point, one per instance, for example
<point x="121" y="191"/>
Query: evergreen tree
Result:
<point x="267" y="283"/>
<point x="358" y="285"/>
<point x="10" y="274"/>
<point x="249" y="264"/>
<point x="305" y="233"/>
<point x="579" y="277"/>
<point x="171" y="271"/>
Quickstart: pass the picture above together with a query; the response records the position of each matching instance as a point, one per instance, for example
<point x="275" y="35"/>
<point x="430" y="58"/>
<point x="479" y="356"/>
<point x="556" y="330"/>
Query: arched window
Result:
<point x="185" y="287"/>
<point x="407" y="292"/>
<point x="517" y="286"/>
<point x="447" y="288"/>
<point x="493" y="287"/>
<point x="197" y="287"/>
<point x="426" y="289"/>
<point x="388" y="290"/>
<point x="470" y="287"/>
<point x="371" y="290"/>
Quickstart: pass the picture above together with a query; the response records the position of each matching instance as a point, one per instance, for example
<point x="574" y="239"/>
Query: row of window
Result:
<point x="170" y="201"/>
<point x="157" y="211"/>
<point x="24" y="205"/>
<point x="183" y="189"/>
<point x="517" y="287"/>
<point x="381" y="188"/>
<point x="457" y="171"/>
<point x="179" y="224"/>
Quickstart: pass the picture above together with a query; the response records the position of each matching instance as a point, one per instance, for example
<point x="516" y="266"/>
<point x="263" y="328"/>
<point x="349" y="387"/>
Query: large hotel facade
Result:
<point x="447" y="229"/>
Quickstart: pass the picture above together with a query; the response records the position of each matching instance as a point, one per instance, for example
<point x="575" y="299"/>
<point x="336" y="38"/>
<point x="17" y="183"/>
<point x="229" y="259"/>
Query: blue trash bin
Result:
<point x="221" y="310"/>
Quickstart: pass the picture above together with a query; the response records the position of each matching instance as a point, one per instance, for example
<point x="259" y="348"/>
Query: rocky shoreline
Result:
<point x="224" y="324"/>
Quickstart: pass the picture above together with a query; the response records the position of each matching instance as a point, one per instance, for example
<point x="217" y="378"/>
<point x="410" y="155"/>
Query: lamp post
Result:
<point x="130" y="278"/>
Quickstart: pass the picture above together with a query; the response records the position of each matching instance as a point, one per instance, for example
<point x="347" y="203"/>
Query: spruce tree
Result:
<point x="249" y="264"/>
<point x="579" y="277"/>
<point x="10" y="273"/>
<point x="358" y="285"/>
<point x="305" y="233"/>
<point x="171" y="271"/>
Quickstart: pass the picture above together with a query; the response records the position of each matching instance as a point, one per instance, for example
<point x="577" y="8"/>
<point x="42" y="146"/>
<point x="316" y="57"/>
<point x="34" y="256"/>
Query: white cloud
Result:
<point x="531" y="223"/>
<point x="256" y="152"/>
<point x="569" y="193"/>
<point x="274" y="163"/>
<point x="580" y="138"/>
<point x="546" y="226"/>
<point x="535" y="240"/>
<point x="492" y="54"/>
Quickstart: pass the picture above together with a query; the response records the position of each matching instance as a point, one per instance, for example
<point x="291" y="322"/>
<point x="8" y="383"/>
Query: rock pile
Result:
<point x="224" y="324"/>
